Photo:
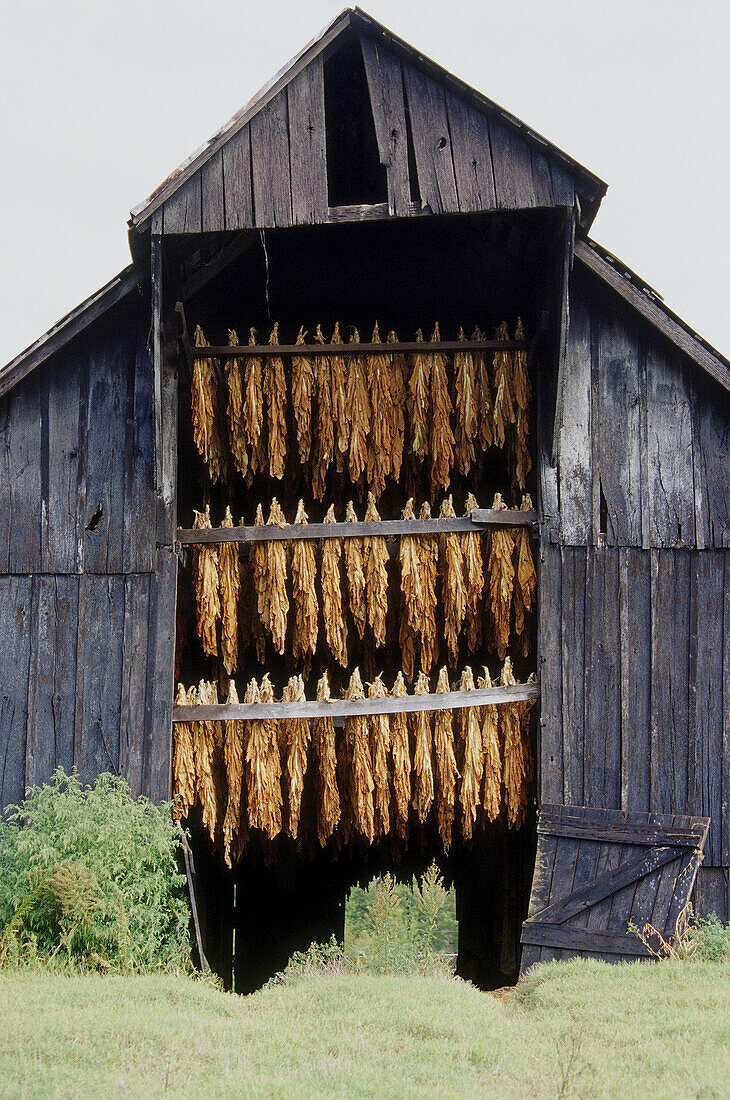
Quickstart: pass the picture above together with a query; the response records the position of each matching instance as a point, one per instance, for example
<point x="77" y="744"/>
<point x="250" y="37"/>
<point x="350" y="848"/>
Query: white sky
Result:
<point x="101" y="100"/>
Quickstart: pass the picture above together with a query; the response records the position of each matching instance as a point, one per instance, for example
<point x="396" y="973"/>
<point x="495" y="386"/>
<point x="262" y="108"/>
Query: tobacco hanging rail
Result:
<point x="480" y="517"/>
<point x="352" y="708"/>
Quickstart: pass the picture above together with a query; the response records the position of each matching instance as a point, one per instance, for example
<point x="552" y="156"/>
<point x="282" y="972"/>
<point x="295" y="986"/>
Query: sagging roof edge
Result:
<point x="70" y="326"/>
<point x="357" y="18"/>
<point x="650" y="305"/>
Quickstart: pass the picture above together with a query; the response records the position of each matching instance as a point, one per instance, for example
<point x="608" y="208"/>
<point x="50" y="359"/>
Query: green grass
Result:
<point x="578" y="1029"/>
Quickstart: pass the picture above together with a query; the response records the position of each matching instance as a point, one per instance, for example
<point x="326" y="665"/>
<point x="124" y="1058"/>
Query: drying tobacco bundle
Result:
<point x="205" y="398"/>
<point x="467" y="410"/>
<point x="263" y="766"/>
<point x="471" y="548"/>
<point x="275" y="593"/>
<point x="229" y="579"/>
<point x="411" y="596"/>
<point x="233" y="756"/>
<point x="522" y="392"/>
<point x="302" y="389"/>
<point x="428" y="553"/>
<point x="446" y="771"/>
<point x="354" y="569"/>
<point x="274" y="386"/>
<point x="207" y="762"/>
<point x="358" y="409"/>
<point x="380" y="747"/>
<point x="257" y="565"/>
<point x="525" y="580"/>
<point x="253" y="409"/>
<point x="333" y="612"/>
<point x="205" y="584"/>
<point x="398" y="372"/>
<point x="298" y="737"/>
<point x="504" y="406"/>
<point x="340" y="417"/>
<point x="501" y="573"/>
<point x="441" y="436"/>
<point x="325" y="769"/>
<point x="484" y="392"/>
<point x="304" y="593"/>
<point x="401" y="762"/>
<point x="360" y="780"/>
<point x="419" y="401"/>
<point x="453" y="589"/>
<point x="183" y="762"/>
<point x="492" y="779"/>
<point x="516" y="753"/>
<point x="234" y="408"/>
<point x="375" y="554"/>
<point x="324" y="436"/>
<point x="471" y="770"/>
<point x="422" y="754"/>
<point x="382" y="428"/>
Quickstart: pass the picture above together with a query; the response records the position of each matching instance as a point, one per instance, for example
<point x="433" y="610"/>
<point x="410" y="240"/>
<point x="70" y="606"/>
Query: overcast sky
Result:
<point x="101" y="100"/>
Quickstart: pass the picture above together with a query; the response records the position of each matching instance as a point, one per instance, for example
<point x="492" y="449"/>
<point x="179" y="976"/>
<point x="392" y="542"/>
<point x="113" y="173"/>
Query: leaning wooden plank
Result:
<point x="182" y="213"/>
<point x="469" y="131"/>
<point x="237" y="180"/>
<point x="431" y="141"/>
<point x="354" y="707"/>
<point x="385" y="85"/>
<point x="308" y="145"/>
<point x="270" y="164"/>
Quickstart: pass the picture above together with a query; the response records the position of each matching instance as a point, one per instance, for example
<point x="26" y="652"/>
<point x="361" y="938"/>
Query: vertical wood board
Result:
<point x="308" y="145"/>
<point x="385" y="87"/>
<point x="431" y="141"/>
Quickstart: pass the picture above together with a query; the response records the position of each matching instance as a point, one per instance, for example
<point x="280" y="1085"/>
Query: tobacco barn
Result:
<point x="378" y="514"/>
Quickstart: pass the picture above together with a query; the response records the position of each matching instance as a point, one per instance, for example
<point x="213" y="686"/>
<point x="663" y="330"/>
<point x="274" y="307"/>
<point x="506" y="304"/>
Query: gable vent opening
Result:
<point x="355" y="176"/>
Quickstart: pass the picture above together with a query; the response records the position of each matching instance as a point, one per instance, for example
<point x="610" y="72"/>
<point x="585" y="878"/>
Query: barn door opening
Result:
<point x="600" y="872"/>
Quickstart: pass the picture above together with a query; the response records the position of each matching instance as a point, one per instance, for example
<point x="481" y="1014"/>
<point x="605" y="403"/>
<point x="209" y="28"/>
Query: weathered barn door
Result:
<point x="597" y="871"/>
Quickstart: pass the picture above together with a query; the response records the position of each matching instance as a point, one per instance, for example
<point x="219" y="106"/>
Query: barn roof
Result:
<point x="589" y="187"/>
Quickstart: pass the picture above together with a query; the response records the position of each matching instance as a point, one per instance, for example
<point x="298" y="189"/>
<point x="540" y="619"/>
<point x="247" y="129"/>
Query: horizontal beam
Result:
<point x="384" y="528"/>
<point x="237" y="351"/>
<point x="353" y="708"/>
<point x="568" y="938"/>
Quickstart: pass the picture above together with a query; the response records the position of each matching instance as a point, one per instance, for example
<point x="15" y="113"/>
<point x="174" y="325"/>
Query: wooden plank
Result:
<point x="237" y="182"/>
<point x="648" y="308"/>
<point x="480" y="517"/>
<point x="159" y="690"/>
<point x="712" y="893"/>
<point x="539" y="895"/>
<point x="272" y="203"/>
<point x="574" y="457"/>
<point x="308" y="145"/>
<point x="385" y="85"/>
<point x="563" y="185"/>
<point x="15" y="613"/>
<point x="22" y="495"/>
<point x="431" y="141"/>
<point x="602" y="746"/>
<point x="472" y="153"/>
<point x="512" y="162"/>
<point x="619" y="834"/>
<point x="101" y="602"/>
<point x="725" y="755"/>
<point x="645" y="894"/>
<point x="711" y="451"/>
<point x="542" y="182"/>
<point x="345" y="708"/>
<point x="670" y="735"/>
<point x="134" y="680"/>
<point x="139" y="476"/>
<point x="570" y="905"/>
<point x="212" y="201"/>
<point x="706" y="693"/>
<point x="574" y="938"/>
<point x="573" y="581"/>
<point x="635" y="677"/>
<point x="566" y="266"/>
<point x="617" y="430"/>
<point x="669" y="823"/>
<point x="669" y="476"/>
<point x="183" y="210"/>
<point x="64" y="396"/>
<point x="551" y="755"/>
<point x="229" y="351"/>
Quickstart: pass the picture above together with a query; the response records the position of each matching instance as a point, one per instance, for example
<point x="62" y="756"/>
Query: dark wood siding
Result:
<point x="85" y="594"/>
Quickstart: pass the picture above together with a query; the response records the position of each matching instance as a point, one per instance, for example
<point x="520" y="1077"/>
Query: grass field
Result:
<point x="578" y="1029"/>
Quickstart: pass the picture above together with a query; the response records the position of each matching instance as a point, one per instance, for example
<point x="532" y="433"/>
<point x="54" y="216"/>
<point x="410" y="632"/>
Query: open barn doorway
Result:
<point x="355" y="446"/>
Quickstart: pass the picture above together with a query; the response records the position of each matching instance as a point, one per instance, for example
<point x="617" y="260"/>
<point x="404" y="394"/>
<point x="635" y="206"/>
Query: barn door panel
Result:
<point x="597" y="871"/>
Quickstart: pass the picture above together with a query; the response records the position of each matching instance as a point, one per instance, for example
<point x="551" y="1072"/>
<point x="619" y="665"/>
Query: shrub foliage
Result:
<point x="90" y="876"/>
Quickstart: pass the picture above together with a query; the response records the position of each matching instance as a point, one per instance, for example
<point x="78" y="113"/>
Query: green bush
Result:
<point x="89" y="876"/>
<point x="711" y="939"/>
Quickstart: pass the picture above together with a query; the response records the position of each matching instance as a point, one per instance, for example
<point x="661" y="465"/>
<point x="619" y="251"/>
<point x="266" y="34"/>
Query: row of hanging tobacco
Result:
<point x="380" y="777"/>
<point x="489" y="596"/>
<point x="362" y="414"/>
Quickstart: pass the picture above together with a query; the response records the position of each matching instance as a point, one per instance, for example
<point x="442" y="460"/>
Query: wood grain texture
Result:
<point x="574" y="451"/>
<point x="183" y="210"/>
<point x="635" y="677"/>
<point x="711" y="455"/>
<point x="272" y="198"/>
<point x="550" y="610"/>
<point x="512" y="160"/>
<point x="15" y="617"/>
<point x="706" y="695"/>
<point x="602" y="765"/>
<point x="574" y="587"/>
<point x="99" y="675"/>
<point x="212" y="197"/>
<point x="308" y="145"/>
<point x="385" y="86"/>
<point x="135" y="643"/>
<point x="237" y="181"/>
<point x="669" y="474"/>
<point x="670" y="737"/>
<point x="431" y="141"/>
<point x="20" y="479"/>
<point x="472" y="153"/>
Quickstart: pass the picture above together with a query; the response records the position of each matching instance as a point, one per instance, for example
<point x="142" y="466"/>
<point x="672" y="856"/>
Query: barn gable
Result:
<point x="444" y="147"/>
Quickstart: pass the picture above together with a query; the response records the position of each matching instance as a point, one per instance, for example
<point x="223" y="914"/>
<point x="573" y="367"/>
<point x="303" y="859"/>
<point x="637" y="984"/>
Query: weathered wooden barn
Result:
<point x="365" y="182"/>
